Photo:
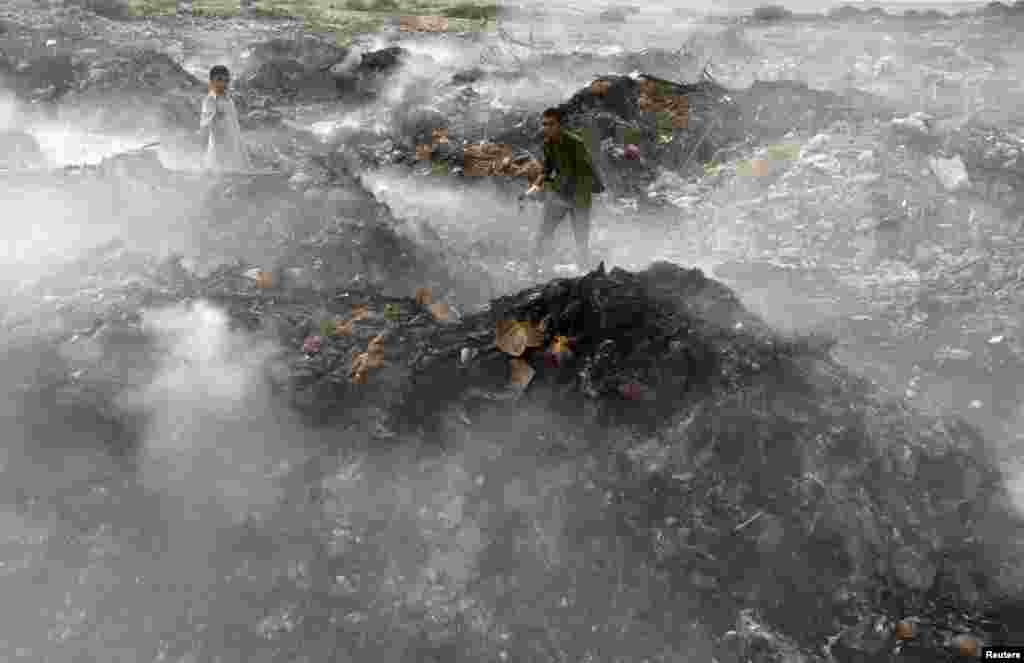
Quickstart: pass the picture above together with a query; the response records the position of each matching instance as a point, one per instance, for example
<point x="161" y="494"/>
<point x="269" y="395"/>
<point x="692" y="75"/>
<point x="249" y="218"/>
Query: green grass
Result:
<point x="784" y="152"/>
<point x="152" y="7"/>
<point x="214" y="8"/>
<point x="472" y="12"/>
<point x="345" y="18"/>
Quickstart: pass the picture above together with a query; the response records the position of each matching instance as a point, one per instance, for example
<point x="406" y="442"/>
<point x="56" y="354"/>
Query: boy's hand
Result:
<point x="534" y="188"/>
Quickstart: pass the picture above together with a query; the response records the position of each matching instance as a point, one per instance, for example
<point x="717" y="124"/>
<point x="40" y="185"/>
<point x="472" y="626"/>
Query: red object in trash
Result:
<point x="632" y="152"/>
<point x="312" y="344"/>
<point x="631" y="391"/>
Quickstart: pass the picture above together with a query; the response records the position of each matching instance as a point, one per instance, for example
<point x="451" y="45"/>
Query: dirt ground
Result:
<point x="923" y="298"/>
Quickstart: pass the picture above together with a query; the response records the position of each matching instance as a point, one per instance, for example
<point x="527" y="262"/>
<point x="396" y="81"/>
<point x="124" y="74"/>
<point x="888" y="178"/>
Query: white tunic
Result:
<point x="225" y="151"/>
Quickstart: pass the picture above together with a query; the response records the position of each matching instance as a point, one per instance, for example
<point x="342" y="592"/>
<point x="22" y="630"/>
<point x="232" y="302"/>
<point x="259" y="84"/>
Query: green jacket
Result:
<point x="569" y="170"/>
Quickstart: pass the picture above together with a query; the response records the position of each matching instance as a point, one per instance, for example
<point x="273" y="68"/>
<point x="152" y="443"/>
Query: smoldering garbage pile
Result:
<point x="671" y="125"/>
<point x="313" y="69"/>
<point x="810" y="517"/>
<point x="638" y="126"/>
<point x="146" y="84"/>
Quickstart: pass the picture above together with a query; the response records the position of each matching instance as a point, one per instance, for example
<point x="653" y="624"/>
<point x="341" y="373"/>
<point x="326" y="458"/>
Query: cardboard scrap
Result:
<point x="521" y="373"/>
<point x="513" y="337"/>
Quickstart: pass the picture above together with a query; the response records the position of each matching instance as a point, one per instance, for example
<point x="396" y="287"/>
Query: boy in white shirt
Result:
<point x="225" y="151"/>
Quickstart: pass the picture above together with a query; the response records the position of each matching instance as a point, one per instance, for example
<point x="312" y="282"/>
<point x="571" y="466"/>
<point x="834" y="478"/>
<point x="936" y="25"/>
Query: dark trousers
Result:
<point x="555" y="210"/>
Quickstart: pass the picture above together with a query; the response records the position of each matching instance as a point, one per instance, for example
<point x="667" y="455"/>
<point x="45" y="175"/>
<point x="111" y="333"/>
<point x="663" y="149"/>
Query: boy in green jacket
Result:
<point x="570" y="180"/>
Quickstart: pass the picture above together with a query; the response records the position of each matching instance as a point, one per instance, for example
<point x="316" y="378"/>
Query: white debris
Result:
<point x="951" y="172"/>
<point x="816" y="144"/>
<point x="300" y="180"/>
<point x="825" y="163"/>
<point x="917" y="122"/>
<point x="668" y="181"/>
<point x="567" y="269"/>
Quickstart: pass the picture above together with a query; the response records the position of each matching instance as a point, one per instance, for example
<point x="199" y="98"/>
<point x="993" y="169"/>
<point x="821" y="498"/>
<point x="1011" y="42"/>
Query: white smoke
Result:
<point x="212" y="436"/>
<point x="9" y="114"/>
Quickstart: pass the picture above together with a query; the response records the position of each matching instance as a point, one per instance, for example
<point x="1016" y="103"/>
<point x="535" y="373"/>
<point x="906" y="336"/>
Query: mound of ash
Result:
<point x="762" y="457"/>
<point x="314" y="69"/>
<point x="804" y="512"/>
<point x="116" y="89"/>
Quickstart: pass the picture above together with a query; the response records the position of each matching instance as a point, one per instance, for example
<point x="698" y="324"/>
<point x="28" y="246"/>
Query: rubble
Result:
<point x="753" y="456"/>
<point x="620" y="117"/>
<point x="951" y="172"/>
<point x="147" y="84"/>
<point x="771" y="109"/>
<point x="762" y="423"/>
<point x="313" y="69"/>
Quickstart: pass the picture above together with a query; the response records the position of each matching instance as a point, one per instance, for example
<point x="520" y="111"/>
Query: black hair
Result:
<point x="219" y="71"/>
<point x="553" y="112"/>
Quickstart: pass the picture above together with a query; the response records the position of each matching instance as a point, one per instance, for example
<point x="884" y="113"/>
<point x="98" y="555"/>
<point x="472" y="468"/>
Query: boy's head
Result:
<point x="551" y="123"/>
<point x="219" y="79"/>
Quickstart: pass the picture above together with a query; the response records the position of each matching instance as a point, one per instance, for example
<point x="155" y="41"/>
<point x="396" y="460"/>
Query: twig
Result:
<point x="747" y="522"/>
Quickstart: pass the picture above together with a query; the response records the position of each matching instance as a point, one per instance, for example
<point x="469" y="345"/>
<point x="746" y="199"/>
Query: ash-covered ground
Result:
<point x="327" y="411"/>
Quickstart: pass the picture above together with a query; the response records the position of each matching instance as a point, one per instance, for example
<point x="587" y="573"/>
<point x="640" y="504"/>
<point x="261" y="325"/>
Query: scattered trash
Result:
<point x="513" y="337"/>
<point x="916" y="123"/>
<point x="441" y="311"/>
<point x="336" y="328"/>
<point x="631" y="391"/>
<point x="559" y="353"/>
<point x="521" y="373"/>
<point x="567" y="269"/>
<point x="966" y="646"/>
<point x="467" y="355"/>
<point x="372" y="358"/>
<point x="904" y="630"/>
<point x="746" y="523"/>
<point x="424" y="297"/>
<point x="952" y="173"/>
<point x="816" y="144"/>
<point x="976" y="405"/>
<point x="759" y="167"/>
<point x="312" y="345"/>
<point x="946" y="353"/>
<point x="392" y="313"/>
<point x="996" y="339"/>
<point x="332" y="328"/>
<point x="632" y="152"/>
